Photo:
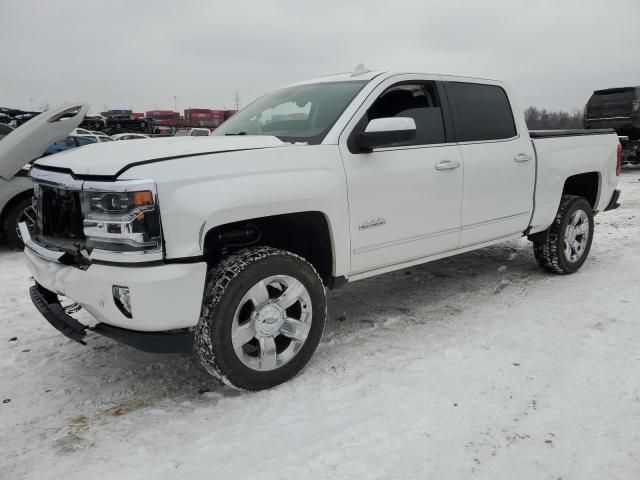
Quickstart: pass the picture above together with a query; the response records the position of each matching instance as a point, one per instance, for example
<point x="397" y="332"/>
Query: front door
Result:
<point x="404" y="201"/>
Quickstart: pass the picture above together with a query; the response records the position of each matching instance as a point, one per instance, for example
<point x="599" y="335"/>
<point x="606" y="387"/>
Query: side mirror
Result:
<point x="386" y="132"/>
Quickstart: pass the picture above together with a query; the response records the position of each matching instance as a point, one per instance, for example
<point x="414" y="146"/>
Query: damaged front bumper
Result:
<point x="48" y="304"/>
<point x="164" y="299"/>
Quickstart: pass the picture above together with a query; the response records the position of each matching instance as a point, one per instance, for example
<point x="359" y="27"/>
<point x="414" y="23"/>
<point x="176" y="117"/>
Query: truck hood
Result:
<point x="30" y="140"/>
<point x="112" y="158"/>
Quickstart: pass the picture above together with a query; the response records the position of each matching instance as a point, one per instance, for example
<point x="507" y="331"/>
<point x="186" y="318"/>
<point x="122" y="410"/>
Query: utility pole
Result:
<point x="175" y="103"/>
<point x="31" y="103"/>
<point x="237" y="101"/>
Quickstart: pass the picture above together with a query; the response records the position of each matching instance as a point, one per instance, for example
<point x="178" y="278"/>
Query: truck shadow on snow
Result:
<point x="416" y="295"/>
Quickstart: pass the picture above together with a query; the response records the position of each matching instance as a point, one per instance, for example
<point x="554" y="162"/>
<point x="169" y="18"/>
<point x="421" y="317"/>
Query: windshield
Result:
<point x="303" y="113"/>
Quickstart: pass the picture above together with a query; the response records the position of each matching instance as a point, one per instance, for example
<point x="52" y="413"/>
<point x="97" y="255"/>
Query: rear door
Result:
<point x="499" y="162"/>
<point x="30" y="140"/>
<point x="404" y="201"/>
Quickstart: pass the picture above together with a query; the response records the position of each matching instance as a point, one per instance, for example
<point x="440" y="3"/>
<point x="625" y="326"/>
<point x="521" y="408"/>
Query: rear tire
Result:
<point x="565" y="245"/>
<point x="263" y="315"/>
<point x="17" y="214"/>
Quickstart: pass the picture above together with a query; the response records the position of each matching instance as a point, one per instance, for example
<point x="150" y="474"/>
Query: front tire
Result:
<point x="263" y="315"/>
<point x="21" y="211"/>
<point x="565" y="245"/>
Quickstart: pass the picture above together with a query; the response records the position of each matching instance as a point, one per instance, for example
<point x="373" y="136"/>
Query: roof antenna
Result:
<point x="359" y="70"/>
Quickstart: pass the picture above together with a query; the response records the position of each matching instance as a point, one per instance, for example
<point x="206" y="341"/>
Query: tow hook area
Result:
<point x="49" y="306"/>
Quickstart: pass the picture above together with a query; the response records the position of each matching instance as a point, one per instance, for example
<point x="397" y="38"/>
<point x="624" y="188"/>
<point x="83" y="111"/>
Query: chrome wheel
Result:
<point x="271" y="323"/>
<point x="28" y="215"/>
<point x="576" y="236"/>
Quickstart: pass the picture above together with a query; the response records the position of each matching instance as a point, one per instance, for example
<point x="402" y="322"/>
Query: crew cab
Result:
<point x="224" y="245"/>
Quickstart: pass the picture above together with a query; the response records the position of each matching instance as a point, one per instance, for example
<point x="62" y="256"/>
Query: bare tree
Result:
<point x="543" y="119"/>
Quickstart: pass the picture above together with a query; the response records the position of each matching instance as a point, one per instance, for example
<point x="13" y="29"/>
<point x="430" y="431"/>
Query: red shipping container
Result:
<point x="229" y="113"/>
<point x="165" y="117"/>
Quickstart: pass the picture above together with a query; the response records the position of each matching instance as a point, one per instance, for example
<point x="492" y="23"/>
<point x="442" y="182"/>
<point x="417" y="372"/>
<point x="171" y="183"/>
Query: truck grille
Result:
<point x="59" y="214"/>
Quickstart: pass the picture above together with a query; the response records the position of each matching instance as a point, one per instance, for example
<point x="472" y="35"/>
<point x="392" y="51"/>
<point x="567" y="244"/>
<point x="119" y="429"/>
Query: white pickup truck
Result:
<point x="224" y="245"/>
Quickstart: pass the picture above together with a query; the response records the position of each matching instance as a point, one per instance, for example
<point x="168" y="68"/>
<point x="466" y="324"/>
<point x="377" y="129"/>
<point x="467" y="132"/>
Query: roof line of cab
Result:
<point x="370" y="75"/>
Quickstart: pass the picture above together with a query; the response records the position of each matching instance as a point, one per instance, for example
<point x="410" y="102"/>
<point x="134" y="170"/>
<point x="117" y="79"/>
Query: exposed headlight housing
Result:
<point x="121" y="217"/>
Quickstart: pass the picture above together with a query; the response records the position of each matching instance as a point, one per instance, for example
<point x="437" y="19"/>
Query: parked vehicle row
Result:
<point x="224" y="246"/>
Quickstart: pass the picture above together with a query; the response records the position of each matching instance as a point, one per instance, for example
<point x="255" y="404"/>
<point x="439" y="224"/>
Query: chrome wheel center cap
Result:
<point x="571" y="235"/>
<point x="269" y="320"/>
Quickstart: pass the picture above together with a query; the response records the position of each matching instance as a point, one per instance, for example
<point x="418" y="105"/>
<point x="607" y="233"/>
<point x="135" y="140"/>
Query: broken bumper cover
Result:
<point x="47" y="303"/>
<point x="162" y="297"/>
<point x="49" y="306"/>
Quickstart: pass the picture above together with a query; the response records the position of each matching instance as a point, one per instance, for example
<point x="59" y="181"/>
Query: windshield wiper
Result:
<point x="239" y="133"/>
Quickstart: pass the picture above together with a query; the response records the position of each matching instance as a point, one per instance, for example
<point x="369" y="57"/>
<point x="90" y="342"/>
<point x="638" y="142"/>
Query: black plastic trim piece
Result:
<point x="109" y="263"/>
<point x="150" y="263"/>
<point x="336" y="282"/>
<point x="613" y="203"/>
<point x="171" y="341"/>
<point x="447" y="115"/>
<point x="195" y="259"/>
<point x="570" y="133"/>
<point x="49" y="306"/>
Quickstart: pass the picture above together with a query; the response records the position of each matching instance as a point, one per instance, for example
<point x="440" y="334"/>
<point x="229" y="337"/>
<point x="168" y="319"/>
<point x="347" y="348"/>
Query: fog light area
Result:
<point x="122" y="299"/>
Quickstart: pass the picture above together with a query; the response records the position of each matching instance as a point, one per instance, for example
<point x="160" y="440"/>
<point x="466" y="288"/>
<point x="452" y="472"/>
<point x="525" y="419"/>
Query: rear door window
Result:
<point x="480" y="112"/>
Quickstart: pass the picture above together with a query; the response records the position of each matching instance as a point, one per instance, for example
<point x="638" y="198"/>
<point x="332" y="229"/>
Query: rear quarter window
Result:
<point x="480" y="112"/>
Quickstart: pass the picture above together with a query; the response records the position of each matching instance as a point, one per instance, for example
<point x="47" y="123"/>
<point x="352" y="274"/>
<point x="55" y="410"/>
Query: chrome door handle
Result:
<point x="447" y="165"/>
<point x="522" y="157"/>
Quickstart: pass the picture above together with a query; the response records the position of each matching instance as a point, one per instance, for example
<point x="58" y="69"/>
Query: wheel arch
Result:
<point x="308" y="234"/>
<point x="10" y="204"/>
<point x="586" y="185"/>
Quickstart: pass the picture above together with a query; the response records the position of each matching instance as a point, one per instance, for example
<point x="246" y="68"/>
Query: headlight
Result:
<point x="122" y="216"/>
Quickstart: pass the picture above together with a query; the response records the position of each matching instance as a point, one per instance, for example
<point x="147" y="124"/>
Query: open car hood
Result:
<point x="30" y="140"/>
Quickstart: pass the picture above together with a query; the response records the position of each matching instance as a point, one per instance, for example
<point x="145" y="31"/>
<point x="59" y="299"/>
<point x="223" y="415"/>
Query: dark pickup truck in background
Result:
<point x="617" y="108"/>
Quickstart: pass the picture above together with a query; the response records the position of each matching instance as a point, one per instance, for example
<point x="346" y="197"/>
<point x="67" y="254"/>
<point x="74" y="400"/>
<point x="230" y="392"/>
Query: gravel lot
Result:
<point x="478" y="366"/>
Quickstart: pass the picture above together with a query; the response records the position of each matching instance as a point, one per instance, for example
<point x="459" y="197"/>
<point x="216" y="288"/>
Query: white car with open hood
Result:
<point x="17" y="149"/>
<point x="224" y="245"/>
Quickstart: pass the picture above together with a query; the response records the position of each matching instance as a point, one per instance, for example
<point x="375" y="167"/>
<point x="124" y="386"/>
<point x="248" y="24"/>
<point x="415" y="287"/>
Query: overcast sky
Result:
<point x="139" y="55"/>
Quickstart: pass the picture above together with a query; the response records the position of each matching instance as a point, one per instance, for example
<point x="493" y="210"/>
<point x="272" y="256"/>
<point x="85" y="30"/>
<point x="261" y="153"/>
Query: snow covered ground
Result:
<point x="478" y="366"/>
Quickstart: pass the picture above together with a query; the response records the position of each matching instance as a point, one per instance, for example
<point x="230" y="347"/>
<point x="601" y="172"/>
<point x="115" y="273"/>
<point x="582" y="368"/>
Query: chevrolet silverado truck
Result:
<point x="224" y="246"/>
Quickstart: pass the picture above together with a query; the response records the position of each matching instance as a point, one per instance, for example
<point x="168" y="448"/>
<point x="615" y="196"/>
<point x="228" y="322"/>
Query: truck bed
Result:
<point x="569" y="133"/>
<point x="561" y="154"/>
